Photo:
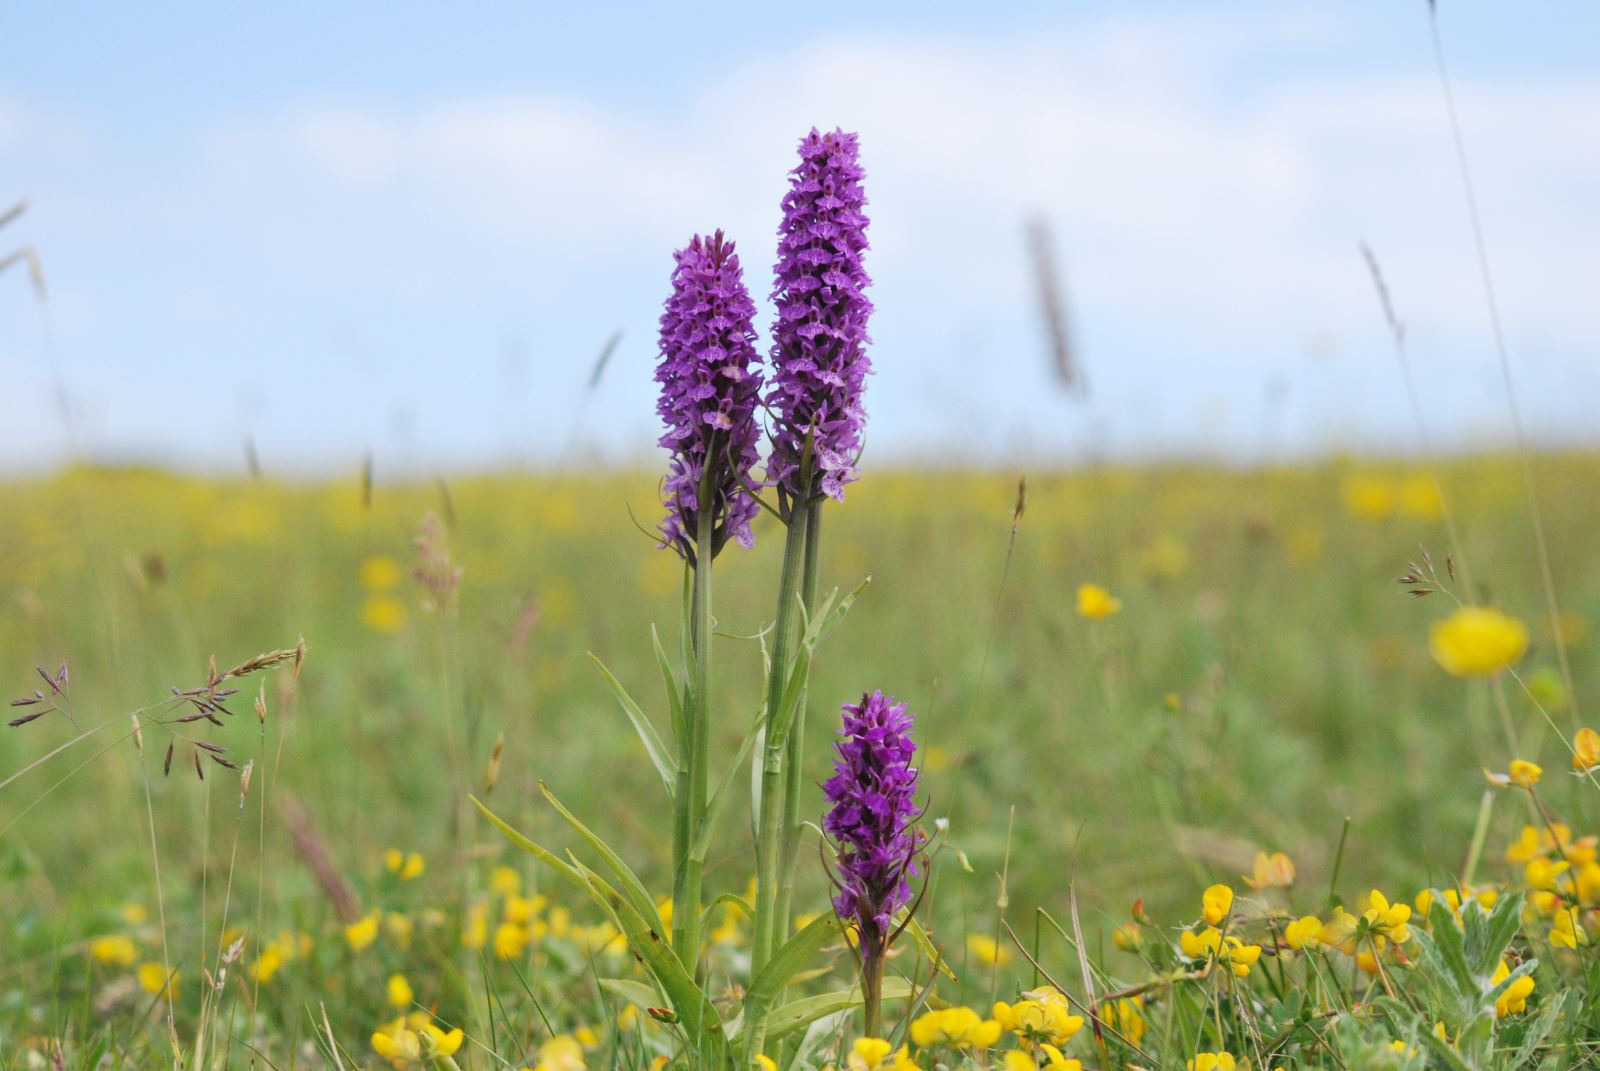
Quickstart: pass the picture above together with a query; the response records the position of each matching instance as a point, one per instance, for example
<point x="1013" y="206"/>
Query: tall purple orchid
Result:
<point x="709" y="391"/>
<point x="873" y="792"/>
<point x="819" y="349"/>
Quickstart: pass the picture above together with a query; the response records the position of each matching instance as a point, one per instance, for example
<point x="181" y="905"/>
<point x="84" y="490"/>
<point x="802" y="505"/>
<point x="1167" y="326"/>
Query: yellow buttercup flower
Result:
<point x="1213" y="1061"/>
<point x="1525" y="774"/>
<point x="765" y="1062"/>
<point x="1200" y="945"/>
<point x="1241" y="957"/>
<point x="1585" y="749"/>
<point x="1369" y="498"/>
<point x="987" y="951"/>
<point x="875" y="1054"/>
<point x="116" y="950"/>
<point x="955" y="1028"/>
<point x="1126" y="1016"/>
<point x="383" y="613"/>
<point x="1338" y="931"/>
<point x="510" y="940"/>
<point x="414" y="1041"/>
<point x="1271" y="871"/>
<point x="380" y="573"/>
<point x="154" y="979"/>
<point x="1043" y="1016"/>
<point x="1515" y="999"/>
<point x="407" y="865"/>
<point x="1567" y="931"/>
<point x="505" y="881"/>
<point x="561" y="1053"/>
<point x="360" y="934"/>
<point x="1022" y="1060"/>
<point x="1388" y="920"/>
<point x="1477" y="641"/>
<point x="1524" y="847"/>
<point x="1302" y="931"/>
<point x="1215" y="903"/>
<point x="1095" y="602"/>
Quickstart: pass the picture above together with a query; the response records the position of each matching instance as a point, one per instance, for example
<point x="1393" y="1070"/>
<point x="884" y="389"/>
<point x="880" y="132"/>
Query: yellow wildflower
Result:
<point x="400" y="994"/>
<point x="1477" y="641"/>
<point x="360" y="934"/>
<point x="1567" y="931"/>
<point x="383" y="613"/>
<point x="1022" y="1060"/>
<point x="380" y="573"/>
<point x="1515" y="999"/>
<point x="1541" y="874"/>
<point x="1126" y="1016"/>
<point x="875" y="1054"/>
<point x="153" y="979"/>
<point x="987" y="951"/>
<point x="1386" y="919"/>
<point x="765" y="1062"/>
<point x="114" y="949"/>
<point x="414" y="1041"/>
<point x="1213" y="1061"/>
<point x="505" y="881"/>
<point x="408" y="866"/>
<point x="1095" y="602"/>
<point x="1525" y="774"/>
<point x="1338" y="930"/>
<point x="1368" y="498"/>
<point x="1585" y="749"/>
<point x="561" y="1053"/>
<point x="1271" y="871"/>
<point x="1241" y="957"/>
<point x="956" y="1028"/>
<point x="1200" y="945"/>
<point x="1044" y="1016"/>
<point x="1525" y="847"/>
<point x="1302" y="931"/>
<point x="1419" y="497"/>
<point x="134" y="914"/>
<point x="1215" y="903"/>
<point x="1128" y="936"/>
<point x="510" y="940"/>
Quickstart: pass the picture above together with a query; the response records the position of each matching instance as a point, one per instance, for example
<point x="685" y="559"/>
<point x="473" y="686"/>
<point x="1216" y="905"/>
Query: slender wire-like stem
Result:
<point x="794" y="770"/>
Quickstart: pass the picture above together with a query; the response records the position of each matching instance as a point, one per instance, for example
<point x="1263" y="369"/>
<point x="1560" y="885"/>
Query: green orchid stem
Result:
<point x="688" y="880"/>
<point x="794" y="771"/>
<point x="769" y="816"/>
<point x="872" y="992"/>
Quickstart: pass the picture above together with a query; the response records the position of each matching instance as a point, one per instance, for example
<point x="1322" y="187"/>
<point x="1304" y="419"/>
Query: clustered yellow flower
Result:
<point x="875" y="1054"/>
<point x="954" y="1028"/>
<point x="1043" y="1015"/>
<point x="1477" y="641"/>
<point x="413" y="1040"/>
<point x="282" y="949"/>
<point x="1274" y="871"/>
<point x="1213" y="1061"/>
<point x="409" y="865"/>
<point x="1095" y="602"/>
<point x="1209" y="943"/>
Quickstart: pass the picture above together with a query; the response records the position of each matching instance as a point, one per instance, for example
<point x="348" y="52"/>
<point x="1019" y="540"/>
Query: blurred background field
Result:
<point x="1266" y="677"/>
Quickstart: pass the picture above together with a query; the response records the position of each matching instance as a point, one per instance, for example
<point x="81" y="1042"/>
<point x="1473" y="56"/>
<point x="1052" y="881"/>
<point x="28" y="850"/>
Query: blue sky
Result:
<point x="407" y="229"/>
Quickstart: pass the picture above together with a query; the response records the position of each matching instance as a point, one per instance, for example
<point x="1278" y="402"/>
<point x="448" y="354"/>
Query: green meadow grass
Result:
<point x="1265" y="679"/>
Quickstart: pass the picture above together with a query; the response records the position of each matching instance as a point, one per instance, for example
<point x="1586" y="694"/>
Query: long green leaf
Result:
<point x="632" y="991"/>
<point x="798" y="1014"/>
<point x="788" y="960"/>
<point x="637" y="895"/>
<point x="544" y="855"/>
<point x="697" y="1016"/>
<point x="674" y="688"/>
<point x="924" y="942"/>
<point x="660" y="757"/>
